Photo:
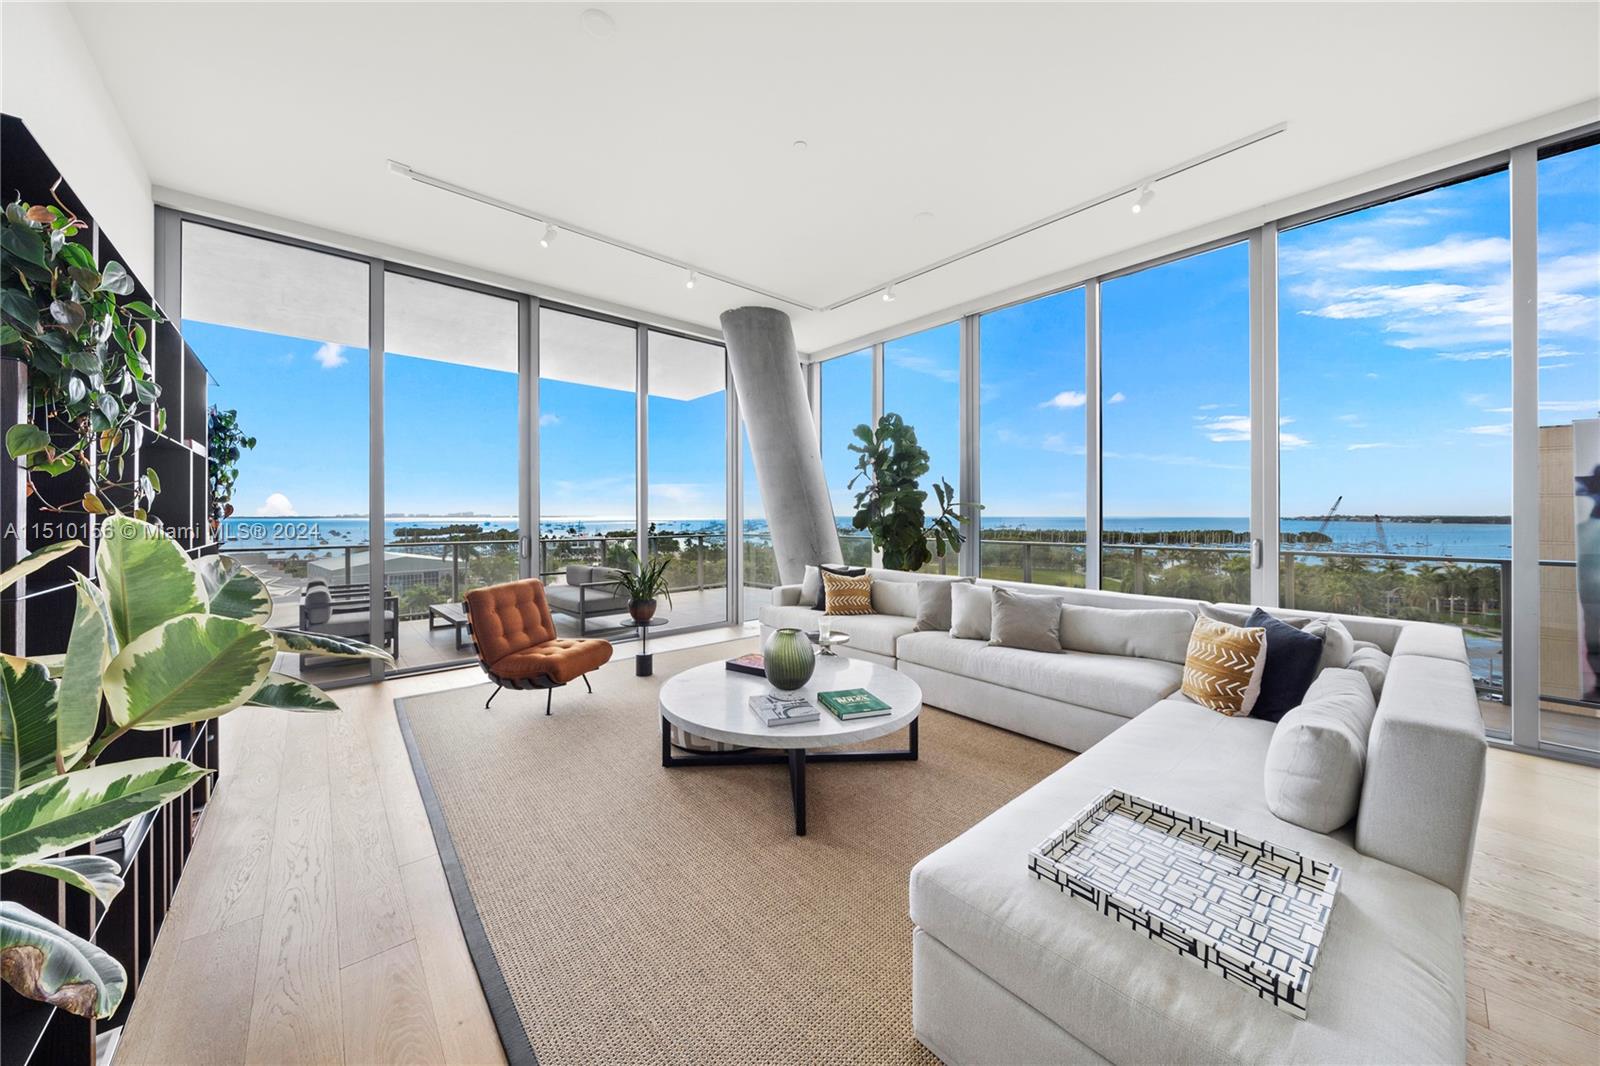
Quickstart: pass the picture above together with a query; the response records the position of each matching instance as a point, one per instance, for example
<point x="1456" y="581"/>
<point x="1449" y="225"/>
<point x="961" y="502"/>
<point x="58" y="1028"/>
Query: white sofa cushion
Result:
<point x="894" y="597"/>
<point x="1154" y="634"/>
<point x="971" y="611"/>
<point x="1019" y="620"/>
<point x="1389" y="986"/>
<point x="1318" y="752"/>
<point x="1372" y="663"/>
<point x="874" y="633"/>
<point x="1111" y="683"/>
<point x="1337" y="643"/>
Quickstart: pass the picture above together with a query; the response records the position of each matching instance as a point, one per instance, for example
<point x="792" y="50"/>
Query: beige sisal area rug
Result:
<point x="623" y="912"/>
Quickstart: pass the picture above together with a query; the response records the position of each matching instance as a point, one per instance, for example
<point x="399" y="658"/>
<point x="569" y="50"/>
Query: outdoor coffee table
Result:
<point x="452" y="614"/>
<point x="712" y="702"/>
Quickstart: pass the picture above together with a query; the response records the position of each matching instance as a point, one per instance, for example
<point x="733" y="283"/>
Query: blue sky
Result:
<point x="1394" y="380"/>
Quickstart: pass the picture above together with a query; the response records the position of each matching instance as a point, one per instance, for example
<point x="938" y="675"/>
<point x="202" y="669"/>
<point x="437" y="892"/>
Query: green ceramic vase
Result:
<point x="788" y="659"/>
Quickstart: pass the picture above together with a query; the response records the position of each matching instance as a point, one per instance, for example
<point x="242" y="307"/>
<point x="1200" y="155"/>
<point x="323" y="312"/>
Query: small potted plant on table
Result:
<point x="643" y="582"/>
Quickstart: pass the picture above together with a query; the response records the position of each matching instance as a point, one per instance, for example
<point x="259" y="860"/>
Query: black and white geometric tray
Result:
<point x="1248" y="910"/>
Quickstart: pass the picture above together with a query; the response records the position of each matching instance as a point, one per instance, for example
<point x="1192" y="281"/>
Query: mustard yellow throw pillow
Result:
<point x="1223" y="667"/>
<point x="847" y="595"/>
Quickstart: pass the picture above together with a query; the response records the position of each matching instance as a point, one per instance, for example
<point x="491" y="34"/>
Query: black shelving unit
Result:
<point x="35" y="616"/>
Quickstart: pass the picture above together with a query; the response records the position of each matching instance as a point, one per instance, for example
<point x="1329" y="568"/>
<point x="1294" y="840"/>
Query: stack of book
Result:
<point x="783" y="710"/>
<point x="849" y="704"/>
<point x="748" y="664"/>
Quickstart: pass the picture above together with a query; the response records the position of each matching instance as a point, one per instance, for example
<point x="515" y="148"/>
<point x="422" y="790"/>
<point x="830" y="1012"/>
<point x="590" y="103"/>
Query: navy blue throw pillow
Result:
<point x="1292" y="659"/>
<point x="822" y="586"/>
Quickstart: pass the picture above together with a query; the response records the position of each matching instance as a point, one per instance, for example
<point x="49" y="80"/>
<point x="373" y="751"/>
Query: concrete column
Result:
<point x="783" y="442"/>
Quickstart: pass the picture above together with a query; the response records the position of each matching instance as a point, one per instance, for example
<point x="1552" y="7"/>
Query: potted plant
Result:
<point x="157" y="640"/>
<point x="225" y="443"/>
<point x="890" y="504"/>
<point x="643" y="582"/>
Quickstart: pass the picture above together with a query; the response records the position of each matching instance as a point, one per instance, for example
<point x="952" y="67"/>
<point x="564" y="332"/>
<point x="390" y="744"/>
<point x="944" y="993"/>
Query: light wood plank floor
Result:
<point x="315" y="923"/>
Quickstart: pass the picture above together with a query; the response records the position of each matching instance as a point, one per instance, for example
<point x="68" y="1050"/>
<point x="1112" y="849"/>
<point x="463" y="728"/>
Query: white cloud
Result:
<point x="1115" y="397"/>
<point x="1352" y="419"/>
<point x="1057" y="442"/>
<point x="330" y="355"/>
<point x="1227" y="428"/>
<point x="1570" y="406"/>
<point x="1066" y="400"/>
<point x="1363" y="446"/>
<point x="1451" y="253"/>
<point x="1498" y="429"/>
<point x="1474" y="357"/>
<point x="922" y="364"/>
<point x="1292" y="440"/>
<point x="549" y="420"/>
<point x="1209" y="406"/>
<point x="277" y="506"/>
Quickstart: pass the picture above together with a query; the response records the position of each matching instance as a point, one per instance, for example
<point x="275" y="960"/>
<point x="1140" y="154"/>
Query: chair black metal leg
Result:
<point x="549" y="694"/>
<point x="797" y="788"/>
<point x="587" y="685"/>
<point x="492" y="695"/>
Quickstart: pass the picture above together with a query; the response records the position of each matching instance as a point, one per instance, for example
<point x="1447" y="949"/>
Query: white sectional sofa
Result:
<point x="1007" y="969"/>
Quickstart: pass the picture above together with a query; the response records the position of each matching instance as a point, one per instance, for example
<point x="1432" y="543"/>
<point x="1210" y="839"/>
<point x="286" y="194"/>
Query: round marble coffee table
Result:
<point x="712" y="702"/>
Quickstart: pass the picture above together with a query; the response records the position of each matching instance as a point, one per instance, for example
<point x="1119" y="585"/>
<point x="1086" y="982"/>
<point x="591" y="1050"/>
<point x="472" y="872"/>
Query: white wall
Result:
<point x="51" y="84"/>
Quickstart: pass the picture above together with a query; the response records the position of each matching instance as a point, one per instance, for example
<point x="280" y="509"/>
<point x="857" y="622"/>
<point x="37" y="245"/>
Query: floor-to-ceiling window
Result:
<point x="1394" y="382"/>
<point x="588" y="450"/>
<point x="846" y="403"/>
<point x="922" y="384"/>
<point x="1175" y="422"/>
<point x="1569" y="446"/>
<point x="687" y="479"/>
<point x="451" y="459"/>
<point x="760" y="561"/>
<point x="294" y="371"/>
<point x="1032" y="401"/>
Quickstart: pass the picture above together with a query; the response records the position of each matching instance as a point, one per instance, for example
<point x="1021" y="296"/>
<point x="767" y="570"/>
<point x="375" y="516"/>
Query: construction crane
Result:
<point x="1383" y="539"/>
<point x="1329" y="517"/>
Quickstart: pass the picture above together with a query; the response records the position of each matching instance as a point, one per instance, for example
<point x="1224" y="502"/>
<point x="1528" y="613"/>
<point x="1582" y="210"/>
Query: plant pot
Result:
<point x="788" y="659"/>
<point x="641" y="610"/>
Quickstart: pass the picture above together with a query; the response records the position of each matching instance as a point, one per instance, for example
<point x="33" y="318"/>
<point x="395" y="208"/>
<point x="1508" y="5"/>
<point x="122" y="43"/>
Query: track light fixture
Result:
<point x="550" y="233"/>
<point x="1146" y="193"/>
<point x="694" y="276"/>
<point x="888" y="294"/>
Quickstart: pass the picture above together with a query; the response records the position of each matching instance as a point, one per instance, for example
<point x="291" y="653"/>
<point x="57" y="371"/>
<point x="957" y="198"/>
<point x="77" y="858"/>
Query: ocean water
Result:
<point x="1468" y="540"/>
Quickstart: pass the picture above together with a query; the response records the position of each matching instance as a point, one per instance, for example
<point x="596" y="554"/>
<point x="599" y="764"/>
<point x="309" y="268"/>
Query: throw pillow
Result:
<point x="895" y="597"/>
<point x="1372" y="663"/>
<point x="1337" y="643"/>
<point x="1158" y="633"/>
<point x="971" y="611"/>
<point x="1019" y="620"/>
<point x="810" y="586"/>
<point x="1223" y="667"/>
<point x="833" y="568"/>
<point x="1318" y="753"/>
<point x="933" y="604"/>
<point x="1292" y="660"/>
<point x="846" y="594"/>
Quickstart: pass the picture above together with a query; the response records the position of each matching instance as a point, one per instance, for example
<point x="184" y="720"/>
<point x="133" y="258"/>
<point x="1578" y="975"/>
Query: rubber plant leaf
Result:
<point x="95" y="874"/>
<point x="90" y="648"/>
<point x="232" y="591"/>
<point x="291" y="694"/>
<point x="299" y="642"/>
<point x="145" y="576"/>
<point x="187" y="669"/>
<point x="44" y="962"/>
<point x="27" y="723"/>
<point x="35" y="560"/>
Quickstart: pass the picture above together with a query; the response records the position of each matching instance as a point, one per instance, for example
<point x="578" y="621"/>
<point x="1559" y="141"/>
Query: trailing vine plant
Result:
<point x="84" y="346"/>
<point x="225" y="443"/>
<point x="891" y="503"/>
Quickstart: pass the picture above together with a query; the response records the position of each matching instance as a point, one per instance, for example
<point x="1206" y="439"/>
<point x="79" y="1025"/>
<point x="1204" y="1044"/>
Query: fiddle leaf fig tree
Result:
<point x="84" y="344"/>
<point x="157" y="640"/>
<point x="225" y="443"/>
<point x="891" y="505"/>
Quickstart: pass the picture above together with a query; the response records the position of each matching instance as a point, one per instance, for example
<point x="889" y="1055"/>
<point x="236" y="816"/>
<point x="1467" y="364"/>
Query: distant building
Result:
<point x="401" y="570"/>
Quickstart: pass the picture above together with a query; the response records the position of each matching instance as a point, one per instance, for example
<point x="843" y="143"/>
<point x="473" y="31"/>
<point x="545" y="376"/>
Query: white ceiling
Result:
<point x="676" y="132"/>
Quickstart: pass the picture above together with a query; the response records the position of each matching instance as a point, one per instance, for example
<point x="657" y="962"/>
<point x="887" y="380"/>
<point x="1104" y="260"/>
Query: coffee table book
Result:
<point x="852" y="703"/>
<point x="783" y="710"/>
<point x="752" y="663"/>
<point x="1252" y="912"/>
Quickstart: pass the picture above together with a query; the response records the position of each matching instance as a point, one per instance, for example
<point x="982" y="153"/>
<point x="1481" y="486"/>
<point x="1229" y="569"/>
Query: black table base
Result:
<point x="796" y="758"/>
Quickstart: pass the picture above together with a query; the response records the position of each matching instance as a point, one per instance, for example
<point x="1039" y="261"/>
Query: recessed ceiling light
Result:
<point x="801" y="146"/>
<point x="598" y="23"/>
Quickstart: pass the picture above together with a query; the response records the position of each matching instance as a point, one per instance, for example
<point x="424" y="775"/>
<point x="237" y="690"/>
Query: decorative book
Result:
<point x="852" y="703"/>
<point x="748" y="664"/>
<point x="1248" y="910"/>
<point x="783" y="710"/>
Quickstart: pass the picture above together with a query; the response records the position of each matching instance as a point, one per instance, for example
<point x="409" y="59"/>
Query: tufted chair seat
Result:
<point x="517" y="642"/>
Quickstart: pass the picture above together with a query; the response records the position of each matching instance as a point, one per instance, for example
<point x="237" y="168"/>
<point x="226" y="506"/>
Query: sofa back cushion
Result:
<point x="1161" y="633"/>
<point x="1318" y="753"/>
<point x="578" y="575"/>
<point x="1019" y="620"/>
<point x="894" y="597"/>
<point x="1425" y="765"/>
<point x="1222" y="670"/>
<point x="1372" y="663"/>
<point x="971" y="611"/>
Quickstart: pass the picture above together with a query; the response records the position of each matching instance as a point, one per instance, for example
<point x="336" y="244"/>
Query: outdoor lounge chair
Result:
<point x="517" y="643"/>
<point x="324" y="611"/>
<point x="589" y="591"/>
